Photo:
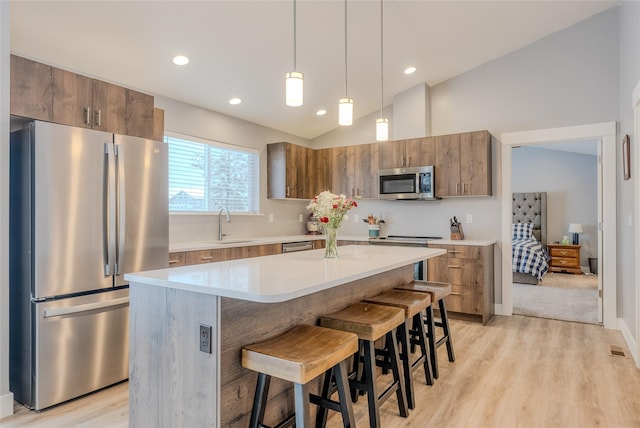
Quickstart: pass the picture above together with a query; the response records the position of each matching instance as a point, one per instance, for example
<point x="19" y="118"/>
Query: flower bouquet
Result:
<point x="331" y="209"/>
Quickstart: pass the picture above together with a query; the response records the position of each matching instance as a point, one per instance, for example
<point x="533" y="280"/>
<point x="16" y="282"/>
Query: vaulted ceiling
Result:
<point x="244" y="48"/>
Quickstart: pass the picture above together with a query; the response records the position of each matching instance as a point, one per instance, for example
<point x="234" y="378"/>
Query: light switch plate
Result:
<point x="469" y="218"/>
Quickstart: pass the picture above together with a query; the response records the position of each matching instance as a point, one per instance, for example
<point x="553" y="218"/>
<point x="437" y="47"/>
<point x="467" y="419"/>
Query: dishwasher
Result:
<point x="292" y="247"/>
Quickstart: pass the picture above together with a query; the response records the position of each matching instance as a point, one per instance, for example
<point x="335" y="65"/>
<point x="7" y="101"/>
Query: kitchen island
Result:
<point x="174" y="383"/>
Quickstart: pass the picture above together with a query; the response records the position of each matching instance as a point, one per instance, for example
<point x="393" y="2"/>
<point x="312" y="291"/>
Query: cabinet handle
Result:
<point x="87" y="115"/>
<point x="453" y="251"/>
<point x="402" y="161"/>
<point x="408" y="160"/>
<point x="453" y="266"/>
<point x="456" y="188"/>
<point x="173" y="262"/>
<point x="98" y="117"/>
<point x="463" y="188"/>
<point x="287" y="191"/>
<point x="455" y="294"/>
<point x="357" y="191"/>
<point x="206" y="258"/>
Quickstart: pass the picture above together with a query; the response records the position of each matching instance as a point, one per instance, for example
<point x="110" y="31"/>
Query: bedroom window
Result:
<point x="205" y="176"/>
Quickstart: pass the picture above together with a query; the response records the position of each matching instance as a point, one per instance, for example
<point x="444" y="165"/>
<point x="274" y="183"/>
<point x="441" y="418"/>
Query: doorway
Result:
<point x="606" y="134"/>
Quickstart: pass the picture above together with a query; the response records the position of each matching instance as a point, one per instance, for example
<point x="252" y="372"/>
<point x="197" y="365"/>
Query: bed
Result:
<point x="529" y="237"/>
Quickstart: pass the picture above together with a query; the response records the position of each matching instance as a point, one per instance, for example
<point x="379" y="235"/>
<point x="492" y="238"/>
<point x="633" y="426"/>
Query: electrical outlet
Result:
<point x="469" y="218"/>
<point x="300" y="218"/>
<point x="205" y="338"/>
<point x="270" y="218"/>
<point x="356" y="218"/>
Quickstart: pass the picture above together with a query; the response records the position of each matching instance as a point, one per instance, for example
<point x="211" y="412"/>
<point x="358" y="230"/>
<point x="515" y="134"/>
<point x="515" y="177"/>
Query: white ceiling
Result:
<point x="244" y="48"/>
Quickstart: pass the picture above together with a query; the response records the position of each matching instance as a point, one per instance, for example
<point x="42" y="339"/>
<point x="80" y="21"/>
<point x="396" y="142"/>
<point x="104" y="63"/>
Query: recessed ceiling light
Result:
<point x="234" y="101"/>
<point x="321" y="112"/>
<point x="180" y="60"/>
<point x="409" y="70"/>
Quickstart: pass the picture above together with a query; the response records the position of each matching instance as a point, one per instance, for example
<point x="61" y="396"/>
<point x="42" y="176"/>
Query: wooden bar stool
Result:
<point x="372" y="322"/>
<point x="299" y="356"/>
<point x="438" y="291"/>
<point x="414" y="305"/>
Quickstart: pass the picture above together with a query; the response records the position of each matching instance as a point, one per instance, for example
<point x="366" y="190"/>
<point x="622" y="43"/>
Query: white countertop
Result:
<point x="282" y="277"/>
<point x="475" y="243"/>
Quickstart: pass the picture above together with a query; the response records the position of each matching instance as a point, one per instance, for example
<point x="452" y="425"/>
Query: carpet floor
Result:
<point x="565" y="304"/>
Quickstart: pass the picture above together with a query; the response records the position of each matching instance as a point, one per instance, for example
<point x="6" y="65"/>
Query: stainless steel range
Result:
<point x="420" y="269"/>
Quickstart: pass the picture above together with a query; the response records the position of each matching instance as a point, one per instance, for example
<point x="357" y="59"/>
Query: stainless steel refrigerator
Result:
<point x="86" y="207"/>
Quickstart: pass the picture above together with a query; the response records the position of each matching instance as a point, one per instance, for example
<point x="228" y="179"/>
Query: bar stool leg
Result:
<point x="260" y="400"/>
<point x="303" y="408"/>
<point x="369" y="378"/>
<point x="431" y="336"/>
<point x="445" y="328"/>
<point x="419" y="327"/>
<point x="342" y="382"/>
<point x="403" y="336"/>
<point x="395" y="366"/>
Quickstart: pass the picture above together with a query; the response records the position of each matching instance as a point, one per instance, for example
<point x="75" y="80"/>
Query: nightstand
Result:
<point x="565" y="258"/>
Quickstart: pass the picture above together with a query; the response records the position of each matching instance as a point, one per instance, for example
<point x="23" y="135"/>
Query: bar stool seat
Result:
<point x="372" y="322"/>
<point x="438" y="292"/>
<point x="414" y="305"/>
<point x="299" y="356"/>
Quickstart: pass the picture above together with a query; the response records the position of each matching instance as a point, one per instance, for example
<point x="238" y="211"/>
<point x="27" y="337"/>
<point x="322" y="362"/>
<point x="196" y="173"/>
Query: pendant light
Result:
<point x="294" y="79"/>
<point x="382" y="123"/>
<point x="345" y="105"/>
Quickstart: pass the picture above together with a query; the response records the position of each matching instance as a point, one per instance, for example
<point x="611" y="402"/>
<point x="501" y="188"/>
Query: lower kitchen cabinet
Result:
<point x="177" y="259"/>
<point x="186" y="258"/>
<point x="469" y="270"/>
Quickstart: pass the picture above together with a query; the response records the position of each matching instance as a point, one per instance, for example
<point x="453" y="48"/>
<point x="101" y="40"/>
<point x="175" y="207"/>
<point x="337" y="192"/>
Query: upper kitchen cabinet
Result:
<point x="407" y="153"/>
<point x="31" y="89"/>
<point x="289" y="168"/>
<point x="51" y="94"/>
<point x="354" y="169"/>
<point x="463" y="164"/>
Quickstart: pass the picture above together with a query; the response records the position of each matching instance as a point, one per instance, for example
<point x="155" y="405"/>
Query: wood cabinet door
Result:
<point x="342" y="167"/>
<point x="72" y="99"/>
<point x="447" y="174"/>
<point x="109" y="106"/>
<point x="158" y="124"/>
<point x="139" y="114"/>
<point x="31" y="89"/>
<point x="475" y="163"/>
<point x="177" y="259"/>
<point x="321" y="176"/>
<point x="198" y="257"/>
<point x="420" y="151"/>
<point x="365" y="170"/>
<point x="297" y="176"/>
<point x="392" y="154"/>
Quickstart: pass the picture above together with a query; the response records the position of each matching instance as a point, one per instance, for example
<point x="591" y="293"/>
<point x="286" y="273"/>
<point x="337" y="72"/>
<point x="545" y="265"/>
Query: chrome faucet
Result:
<point x="220" y="235"/>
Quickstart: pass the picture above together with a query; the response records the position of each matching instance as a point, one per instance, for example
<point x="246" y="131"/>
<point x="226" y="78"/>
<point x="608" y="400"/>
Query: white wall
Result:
<point x="629" y="68"/>
<point x="187" y="119"/>
<point x="567" y="78"/>
<point x="570" y="180"/>
<point x="6" y="398"/>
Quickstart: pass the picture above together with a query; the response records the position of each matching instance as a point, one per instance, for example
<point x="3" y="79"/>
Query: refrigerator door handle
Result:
<point x="121" y="198"/>
<point x="58" y="312"/>
<point x="109" y="214"/>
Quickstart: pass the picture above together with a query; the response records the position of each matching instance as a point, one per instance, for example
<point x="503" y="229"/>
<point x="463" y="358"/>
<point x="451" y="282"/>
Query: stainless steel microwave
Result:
<point x="416" y="183"/>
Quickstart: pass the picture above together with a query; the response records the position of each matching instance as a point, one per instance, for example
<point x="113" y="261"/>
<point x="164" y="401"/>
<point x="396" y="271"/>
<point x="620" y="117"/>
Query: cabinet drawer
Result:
<point x="198" y="257"/>
<point x="456" y="271"/>
<point x="466" y="300"/>
<point x="177" y="259"/>
<point x="459" y="251"/>
<point x="565" y="262"/>
<point x="564" y="252"/>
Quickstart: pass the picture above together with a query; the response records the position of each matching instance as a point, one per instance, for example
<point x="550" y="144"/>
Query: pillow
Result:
<point x="522" y="230"/>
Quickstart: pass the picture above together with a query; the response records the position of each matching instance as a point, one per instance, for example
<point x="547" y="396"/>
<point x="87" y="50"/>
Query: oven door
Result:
<point x="398" y="186"/>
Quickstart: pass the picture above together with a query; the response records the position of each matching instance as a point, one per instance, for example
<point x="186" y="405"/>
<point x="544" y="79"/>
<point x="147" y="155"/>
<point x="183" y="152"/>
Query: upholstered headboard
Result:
<point x="531" y="208"/>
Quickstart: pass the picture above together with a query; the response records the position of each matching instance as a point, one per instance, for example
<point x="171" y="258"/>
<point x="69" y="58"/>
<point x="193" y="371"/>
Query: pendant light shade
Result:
<point x="345" y="111"/>
<point x="345" y="104"/>
<point x="382" y="123"/>
<point x="294" y="80"/>
<point x="382" y="129"/>
<point x="294" y="86"/>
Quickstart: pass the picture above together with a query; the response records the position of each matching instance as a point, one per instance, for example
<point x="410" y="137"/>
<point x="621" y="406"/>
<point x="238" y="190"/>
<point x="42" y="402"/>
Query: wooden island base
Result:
<point x="173" y="383"/>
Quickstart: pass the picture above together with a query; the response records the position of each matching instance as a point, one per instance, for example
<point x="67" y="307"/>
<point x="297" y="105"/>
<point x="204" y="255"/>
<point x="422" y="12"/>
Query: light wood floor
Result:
<point x="514" y="372"/>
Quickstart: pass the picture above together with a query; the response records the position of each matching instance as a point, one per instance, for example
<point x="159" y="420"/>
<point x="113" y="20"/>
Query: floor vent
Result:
<point x="617" y="351"/>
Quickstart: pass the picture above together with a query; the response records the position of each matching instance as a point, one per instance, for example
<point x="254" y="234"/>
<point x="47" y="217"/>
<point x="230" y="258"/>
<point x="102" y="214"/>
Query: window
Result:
<point x="205" y="176"/>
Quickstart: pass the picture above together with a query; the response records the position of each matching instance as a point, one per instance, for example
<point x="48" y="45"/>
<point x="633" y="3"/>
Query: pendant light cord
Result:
<point x="294" y="35"/>
<point x="345" y="49"/>
<point x="381" y="63"/>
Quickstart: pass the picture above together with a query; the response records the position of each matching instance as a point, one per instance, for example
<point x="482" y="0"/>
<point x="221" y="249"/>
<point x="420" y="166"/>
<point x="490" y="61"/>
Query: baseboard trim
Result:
<point x="629" y="340"/>
<point x="6" y="405"/>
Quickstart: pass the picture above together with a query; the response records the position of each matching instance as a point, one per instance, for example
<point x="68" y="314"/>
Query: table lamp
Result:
<point x="575" y="229"/>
